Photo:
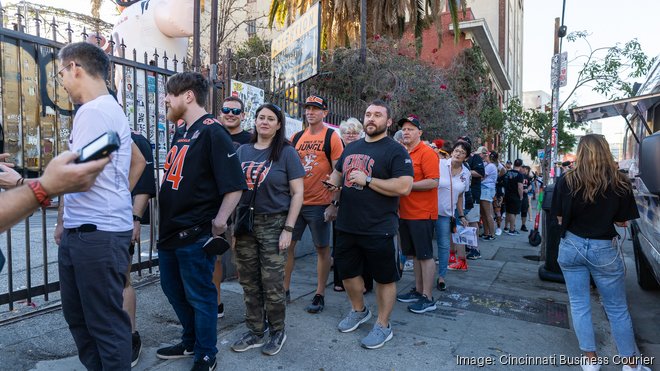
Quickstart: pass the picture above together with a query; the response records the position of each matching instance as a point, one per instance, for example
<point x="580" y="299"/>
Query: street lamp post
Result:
<point x="363" y="31"/>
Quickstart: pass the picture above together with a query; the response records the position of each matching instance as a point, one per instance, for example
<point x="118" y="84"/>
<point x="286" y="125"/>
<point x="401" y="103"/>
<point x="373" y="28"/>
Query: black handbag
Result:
<point x="244" y="224"/>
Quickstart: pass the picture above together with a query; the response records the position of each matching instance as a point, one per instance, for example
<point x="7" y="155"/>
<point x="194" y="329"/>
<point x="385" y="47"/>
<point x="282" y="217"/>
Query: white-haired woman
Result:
<point x="351" y="130"/>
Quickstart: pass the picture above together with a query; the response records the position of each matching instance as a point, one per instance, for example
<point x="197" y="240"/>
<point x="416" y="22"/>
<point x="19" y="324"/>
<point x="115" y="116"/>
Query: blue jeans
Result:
<point x="186" y="278"/>
<point x="579" y="257"/>
<point x="442" y="238"/>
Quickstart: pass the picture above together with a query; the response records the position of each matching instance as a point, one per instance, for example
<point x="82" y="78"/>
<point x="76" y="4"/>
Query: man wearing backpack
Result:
<point x="319" y="148"/>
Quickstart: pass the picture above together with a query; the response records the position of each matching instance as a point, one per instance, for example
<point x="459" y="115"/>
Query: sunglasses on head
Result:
<point x="235" y="111"/>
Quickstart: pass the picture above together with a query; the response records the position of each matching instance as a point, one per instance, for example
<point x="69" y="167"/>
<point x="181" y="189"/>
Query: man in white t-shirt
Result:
<point x="94" y="228"/>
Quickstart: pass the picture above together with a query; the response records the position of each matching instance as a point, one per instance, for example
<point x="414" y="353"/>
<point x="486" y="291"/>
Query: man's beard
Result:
<point x="174" y="115"/>
<point x="376" y="131"/>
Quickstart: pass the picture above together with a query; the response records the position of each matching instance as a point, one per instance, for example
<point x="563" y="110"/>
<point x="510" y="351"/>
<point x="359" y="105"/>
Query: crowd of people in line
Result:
<point x="363" y="195"/>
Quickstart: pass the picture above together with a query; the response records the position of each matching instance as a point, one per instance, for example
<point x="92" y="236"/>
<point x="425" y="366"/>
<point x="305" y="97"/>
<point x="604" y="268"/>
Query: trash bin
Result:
<point x="550" y="270"/>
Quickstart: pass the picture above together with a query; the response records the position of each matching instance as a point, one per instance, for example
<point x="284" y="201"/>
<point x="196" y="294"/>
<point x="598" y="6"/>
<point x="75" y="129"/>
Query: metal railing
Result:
<point x="37" y="116"/>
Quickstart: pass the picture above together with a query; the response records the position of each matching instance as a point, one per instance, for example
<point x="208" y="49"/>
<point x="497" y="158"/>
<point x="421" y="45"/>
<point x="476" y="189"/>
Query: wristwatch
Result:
<point x="367" y="181"/>
<point x="137" y="218"/>
<point x="288" y="228"/>
<point x="334" y="203"/>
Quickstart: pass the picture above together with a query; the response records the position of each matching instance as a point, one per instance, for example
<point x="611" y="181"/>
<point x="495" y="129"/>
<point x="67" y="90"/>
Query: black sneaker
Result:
<point x="275" y="342"/>
<point x="221" y="310"/>
<point x="524" y="228"/>
<point x="513" y="232"/>
<point x="423" y="305"/>
<point x="136" y="348"/>
<point x="409" y="297"/>
<point x="205" y="364"/>
<point x="175" y="351"/>
<point x="317" y="305"/>
<point x="440" y="285"/>
<point x="287" y="296"/>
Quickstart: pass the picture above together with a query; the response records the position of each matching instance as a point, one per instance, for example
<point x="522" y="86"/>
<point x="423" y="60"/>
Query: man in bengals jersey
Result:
<point x="202" y="183"/>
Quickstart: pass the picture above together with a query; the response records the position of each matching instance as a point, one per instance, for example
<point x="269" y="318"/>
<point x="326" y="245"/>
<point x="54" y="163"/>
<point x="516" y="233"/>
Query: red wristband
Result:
<point x="40" y="193"/>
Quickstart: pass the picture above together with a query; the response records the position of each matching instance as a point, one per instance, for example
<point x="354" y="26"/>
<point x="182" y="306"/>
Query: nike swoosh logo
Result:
<point x="149" y="163"/>
<point x="232" y="155"/>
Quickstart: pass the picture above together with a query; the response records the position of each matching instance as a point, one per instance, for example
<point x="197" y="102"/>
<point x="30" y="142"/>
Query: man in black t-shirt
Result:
<point x="513" y="195"/>
<point x="372" y="173"/>
<point x="233" y="114"/>
<point x="144" y="190"/>
<point x="232" y="118"/>
<point x="202" y="184"/>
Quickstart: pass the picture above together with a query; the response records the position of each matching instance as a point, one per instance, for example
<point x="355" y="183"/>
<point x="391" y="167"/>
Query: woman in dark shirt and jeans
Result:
<point x="589" y="200"/>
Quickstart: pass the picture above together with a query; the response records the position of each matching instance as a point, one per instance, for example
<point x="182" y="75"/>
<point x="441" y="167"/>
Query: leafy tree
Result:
<point x="530" y="130"/>
<point x="341" y="18"/>
<point x="607" y="70"/>
<point x="253" y="47"/>
<point x="448" y="103"/>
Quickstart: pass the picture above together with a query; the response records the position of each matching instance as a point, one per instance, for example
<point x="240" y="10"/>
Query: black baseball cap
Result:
<point x="411" y="119"/>
<point x="316" y="101"/>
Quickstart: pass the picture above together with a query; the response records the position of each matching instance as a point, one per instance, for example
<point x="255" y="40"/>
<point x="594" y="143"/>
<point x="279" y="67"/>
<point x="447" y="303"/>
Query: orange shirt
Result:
<point x="419" y="205"/>
<point x="316" y="164"/>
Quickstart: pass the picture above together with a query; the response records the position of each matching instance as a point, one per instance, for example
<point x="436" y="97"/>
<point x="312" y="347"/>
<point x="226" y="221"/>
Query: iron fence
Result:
<point x="36" y="117"/>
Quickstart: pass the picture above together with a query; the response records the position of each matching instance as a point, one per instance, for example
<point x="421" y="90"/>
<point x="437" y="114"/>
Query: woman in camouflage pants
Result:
<point x="273" y="170"/>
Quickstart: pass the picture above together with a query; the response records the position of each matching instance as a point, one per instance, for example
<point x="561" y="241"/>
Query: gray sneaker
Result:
<point x="248" y="341"/>
<point x="353" y="320"/>
<point x="423" y="305"/>
<point x="277" y="339"/>
<point x="409" y="297"/>
<point x="378" y="336"/>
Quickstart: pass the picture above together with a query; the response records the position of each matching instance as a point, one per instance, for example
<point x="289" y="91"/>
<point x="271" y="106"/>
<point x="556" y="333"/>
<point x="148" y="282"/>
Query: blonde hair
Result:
<point x="350" y="124"/>
<point x="595" y="170"/>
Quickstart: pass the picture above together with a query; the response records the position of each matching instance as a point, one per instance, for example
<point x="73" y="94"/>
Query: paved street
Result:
<point x="497" y="310"/>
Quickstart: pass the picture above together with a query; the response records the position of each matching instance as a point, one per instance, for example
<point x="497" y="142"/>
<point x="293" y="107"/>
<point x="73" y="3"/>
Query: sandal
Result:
<point x="338" y="289"/>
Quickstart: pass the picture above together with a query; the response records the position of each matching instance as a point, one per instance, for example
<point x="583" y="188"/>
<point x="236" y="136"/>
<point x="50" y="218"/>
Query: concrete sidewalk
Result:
<point x="496" y="311"/>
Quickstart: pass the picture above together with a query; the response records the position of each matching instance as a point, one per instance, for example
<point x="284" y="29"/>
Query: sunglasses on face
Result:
<point x="235" y="111"/>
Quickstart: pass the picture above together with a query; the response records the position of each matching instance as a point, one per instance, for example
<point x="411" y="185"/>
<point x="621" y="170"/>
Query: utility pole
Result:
<point x="363" y="31"/>
<point x="555" y="105"/>
<point x="213" y="72"/>
<point x="196" y="35"/>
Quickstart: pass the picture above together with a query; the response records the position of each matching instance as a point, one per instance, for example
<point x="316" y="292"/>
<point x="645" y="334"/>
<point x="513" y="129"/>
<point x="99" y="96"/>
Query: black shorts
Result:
<point x="512" y="205"/>
<point x="524" y="207"/>
<point x="417" y="238"/>
<point x="355" y="253"/>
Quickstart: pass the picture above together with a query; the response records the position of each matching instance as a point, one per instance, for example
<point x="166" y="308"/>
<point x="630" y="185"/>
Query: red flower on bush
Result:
<point x="443" y="87"/>
<point x="435" y="50"/>
<point x="376" y="37"/>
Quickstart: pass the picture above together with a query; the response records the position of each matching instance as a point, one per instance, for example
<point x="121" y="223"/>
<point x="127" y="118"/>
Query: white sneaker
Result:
<point x="408" y="266"/>
<point x="498" y="232"/>
<point x="638" y="368"/>
<point x="586" y="364"/>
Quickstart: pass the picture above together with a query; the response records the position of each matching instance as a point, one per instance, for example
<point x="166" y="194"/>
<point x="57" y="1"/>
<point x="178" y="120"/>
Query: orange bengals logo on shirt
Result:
<point x="251" y="169"/>
<point x="210" y="121"/>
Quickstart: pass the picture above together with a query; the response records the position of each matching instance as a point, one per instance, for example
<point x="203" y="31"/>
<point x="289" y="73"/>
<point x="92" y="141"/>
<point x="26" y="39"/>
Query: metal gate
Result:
<point x="36" y="117"/>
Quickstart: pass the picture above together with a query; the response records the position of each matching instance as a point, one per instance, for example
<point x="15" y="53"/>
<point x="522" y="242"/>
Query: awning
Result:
<point x="621" y="107"/>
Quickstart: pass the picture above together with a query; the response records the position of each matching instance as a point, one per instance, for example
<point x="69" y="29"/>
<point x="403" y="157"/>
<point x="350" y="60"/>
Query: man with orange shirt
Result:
<point x="319" y="148"/>
<point x="418" y="212"/>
